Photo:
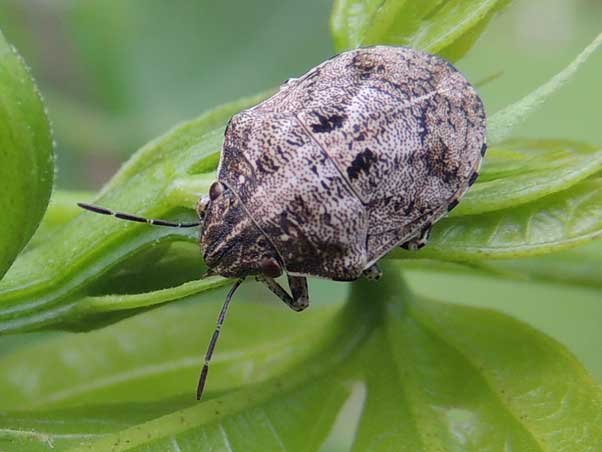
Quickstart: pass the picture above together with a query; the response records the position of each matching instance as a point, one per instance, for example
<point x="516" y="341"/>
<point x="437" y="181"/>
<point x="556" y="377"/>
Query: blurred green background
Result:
<point x="118" y="73"/>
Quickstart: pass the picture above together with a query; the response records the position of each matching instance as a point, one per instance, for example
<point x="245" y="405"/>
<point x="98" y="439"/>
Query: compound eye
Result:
<point x="270" y="267"/>
<point x="202" y="206"/>
<point x="215" y="190"/>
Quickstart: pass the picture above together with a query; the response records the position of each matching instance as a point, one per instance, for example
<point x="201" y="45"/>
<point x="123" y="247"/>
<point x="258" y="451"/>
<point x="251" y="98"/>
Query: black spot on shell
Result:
<point x="473" y="178"/>
<point x="364" y="64"/>
<point x="438" y="162"/>
<point x="483" y="149"/>
<point x="284" y="222"/>
<point x="362" y="162"/>
<point x="452" y="204"/>
<point x="327" y="123"/>
<point x="266" y="165"/>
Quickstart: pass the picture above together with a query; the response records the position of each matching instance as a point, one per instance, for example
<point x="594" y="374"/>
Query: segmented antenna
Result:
<point x="218" y="327"/>
<point x="130" y="217"/>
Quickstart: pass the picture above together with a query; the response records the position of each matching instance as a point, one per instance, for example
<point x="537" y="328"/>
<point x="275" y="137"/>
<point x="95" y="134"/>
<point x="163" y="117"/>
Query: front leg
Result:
<point x="298" y="284"/>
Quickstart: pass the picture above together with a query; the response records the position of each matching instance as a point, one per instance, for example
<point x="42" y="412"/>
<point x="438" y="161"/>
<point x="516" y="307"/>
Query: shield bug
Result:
<point x="363" y="153"/>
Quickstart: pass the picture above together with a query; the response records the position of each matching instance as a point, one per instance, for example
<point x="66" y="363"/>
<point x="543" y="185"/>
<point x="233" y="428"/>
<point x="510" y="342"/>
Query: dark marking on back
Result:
<point x="452" y="204"/>
<point x="438" y="162"/>
<point x="266" y="165"/>
<point x="473" y="178"/>
<point x="364" y="64"/>
<point x="327" y="123"/>
<point x="483" y="149"/>
<point x="361" y="163"/>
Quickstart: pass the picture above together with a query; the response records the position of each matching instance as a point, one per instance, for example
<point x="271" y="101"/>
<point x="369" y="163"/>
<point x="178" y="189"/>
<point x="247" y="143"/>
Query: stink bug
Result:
<point x="363" y="153"/>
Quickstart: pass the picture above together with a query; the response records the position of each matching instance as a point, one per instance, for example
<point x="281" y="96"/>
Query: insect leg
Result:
<point x="373" y="272"/>
<point x="419" y="241"/>
<point x="299" y="299"/>
<point x="298" y="285"/>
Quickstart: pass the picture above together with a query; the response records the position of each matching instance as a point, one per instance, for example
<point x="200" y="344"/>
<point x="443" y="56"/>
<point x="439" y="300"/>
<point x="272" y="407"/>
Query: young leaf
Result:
<point x="502" y="122"/>
<point x="560" y="221"/>
<point x="449" y="28"/>
<point x="27" y="159"/>
<point x="580" y="266"/>
<point x="39" y="288"/>
<point x="521" y="171"/>
<point x="158" y="355"/>
<point x="58" y="430"/>
<point x="401" y="373"/>
<point x="62" y="208"/>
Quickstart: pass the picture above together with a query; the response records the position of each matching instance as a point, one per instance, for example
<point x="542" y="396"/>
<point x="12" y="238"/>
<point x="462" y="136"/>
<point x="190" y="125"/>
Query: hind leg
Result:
<point x="419" y="241"/>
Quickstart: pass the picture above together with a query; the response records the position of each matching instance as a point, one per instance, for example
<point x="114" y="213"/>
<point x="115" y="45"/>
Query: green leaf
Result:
<point x="61" y="429"/>
<point x="521" y="171"/>
<point x="62" y="208"/>
<point x="163" y="355"/>
<point x="384" y="371"/>
<point x="580" y="266"/>
<point x="26" y="155"/>
<point x="560" y="221"/>
<point x="449" y="28"/>
<point x="502" y="122"/>
<point x="39" y="289"/>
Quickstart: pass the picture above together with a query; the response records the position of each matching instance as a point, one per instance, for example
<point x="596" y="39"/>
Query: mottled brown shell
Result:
<point x="359" y="155"/>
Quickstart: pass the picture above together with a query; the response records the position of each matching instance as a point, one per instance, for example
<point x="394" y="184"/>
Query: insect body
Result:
<point x="363" y="153"/>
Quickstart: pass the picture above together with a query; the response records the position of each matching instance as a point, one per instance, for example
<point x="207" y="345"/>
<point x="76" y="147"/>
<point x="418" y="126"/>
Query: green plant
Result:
<point x="27" y="157"/>
<point x="376" y="368"/>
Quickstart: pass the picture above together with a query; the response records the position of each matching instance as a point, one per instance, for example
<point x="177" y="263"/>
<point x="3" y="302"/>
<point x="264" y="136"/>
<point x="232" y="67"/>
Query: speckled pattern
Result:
<point x="361" y="154"/>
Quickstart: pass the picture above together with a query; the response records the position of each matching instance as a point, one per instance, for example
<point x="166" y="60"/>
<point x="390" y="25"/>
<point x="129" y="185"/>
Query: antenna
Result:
<point x="130" y="217"/>
<point x="218" y="327"/>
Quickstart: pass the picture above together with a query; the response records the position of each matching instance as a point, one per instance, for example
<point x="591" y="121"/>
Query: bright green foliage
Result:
<point x="502" y="122"/>
<point x="580" y="266"/>
<point x="445" y="27"/>
<point x="520" y="171"/>
<point x="26" y="155"/>
<point x="401" y="374"/>
<point x="378" y="369"/>
<point x="557" y="222"/>
<point x="43" y="285"/>
<point x="61" y="209"/>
